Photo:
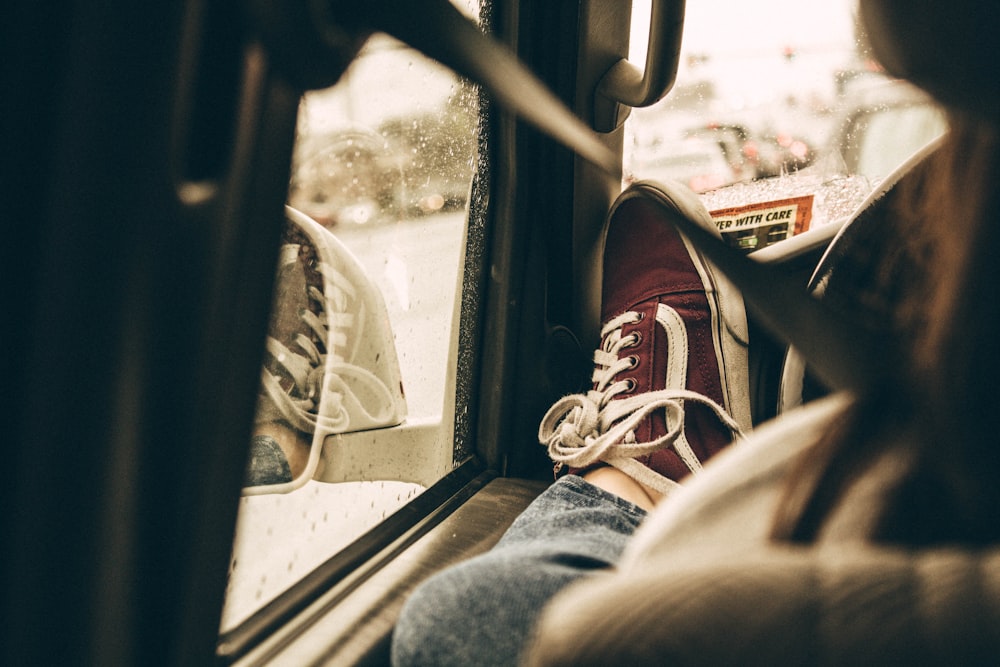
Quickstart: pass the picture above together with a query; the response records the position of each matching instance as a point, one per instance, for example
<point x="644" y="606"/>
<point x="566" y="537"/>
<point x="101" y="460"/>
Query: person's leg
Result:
<point x="671" y="369"/>
<point x="616" y="482"/>
<point x="482" y="611"/>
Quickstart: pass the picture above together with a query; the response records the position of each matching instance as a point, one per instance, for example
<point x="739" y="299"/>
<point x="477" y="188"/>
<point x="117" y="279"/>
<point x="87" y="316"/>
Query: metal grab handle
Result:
<point x="626" y="83"/>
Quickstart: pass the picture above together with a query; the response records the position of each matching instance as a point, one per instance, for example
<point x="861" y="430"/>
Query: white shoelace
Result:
<point x="328" y="388"/>
<point x="582" y="429"/>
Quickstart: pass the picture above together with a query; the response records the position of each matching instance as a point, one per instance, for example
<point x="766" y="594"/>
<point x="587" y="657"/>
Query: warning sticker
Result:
<point x="756" y="226"/>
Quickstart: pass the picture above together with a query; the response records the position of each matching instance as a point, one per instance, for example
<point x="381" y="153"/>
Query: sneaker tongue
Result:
<point x="289" y="295"/>
<point x="631" y="275"/>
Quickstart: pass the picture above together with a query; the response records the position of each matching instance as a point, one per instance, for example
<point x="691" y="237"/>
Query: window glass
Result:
<point x="775" y="101"/>
<point x="364" y="332"/>
<point x="882" y="137"/>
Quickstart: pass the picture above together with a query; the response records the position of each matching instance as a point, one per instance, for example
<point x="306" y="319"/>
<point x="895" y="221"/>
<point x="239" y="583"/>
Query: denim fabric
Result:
<point x="268" y="464"/>
<point x="482" y="611"/>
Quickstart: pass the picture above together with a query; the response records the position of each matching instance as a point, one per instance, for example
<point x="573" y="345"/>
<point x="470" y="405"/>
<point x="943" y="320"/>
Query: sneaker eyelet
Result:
<point x="642" y="316"/>
<point x="636" y="339"/>
<point x="630" y="385"/>
<point x="633" y="361"/>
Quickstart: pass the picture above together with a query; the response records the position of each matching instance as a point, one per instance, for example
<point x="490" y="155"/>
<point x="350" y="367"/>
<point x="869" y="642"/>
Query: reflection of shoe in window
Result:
<point x="672" y="366"/>
<point x="330" y="364"/>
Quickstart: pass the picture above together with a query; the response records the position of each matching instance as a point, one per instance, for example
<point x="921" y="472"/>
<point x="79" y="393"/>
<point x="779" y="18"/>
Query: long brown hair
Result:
<point x="936" y="410"/>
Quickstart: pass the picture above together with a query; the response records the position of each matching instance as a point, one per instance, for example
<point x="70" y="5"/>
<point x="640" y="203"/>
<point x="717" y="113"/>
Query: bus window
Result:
<point x="382" y="171"/>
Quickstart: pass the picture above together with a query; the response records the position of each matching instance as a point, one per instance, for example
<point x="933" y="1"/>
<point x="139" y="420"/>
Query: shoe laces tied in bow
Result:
<point x="325" y="389"/>
<point x="580" y="430"/>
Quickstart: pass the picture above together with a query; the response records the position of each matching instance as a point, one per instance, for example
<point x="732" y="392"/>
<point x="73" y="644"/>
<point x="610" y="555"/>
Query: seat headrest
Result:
<point x="944" y="46"/>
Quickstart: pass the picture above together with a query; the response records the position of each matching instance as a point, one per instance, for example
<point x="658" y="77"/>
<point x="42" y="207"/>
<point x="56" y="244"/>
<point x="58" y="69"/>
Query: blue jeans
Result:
<point x="482" y="611"/>
<point x="267" y="464"/>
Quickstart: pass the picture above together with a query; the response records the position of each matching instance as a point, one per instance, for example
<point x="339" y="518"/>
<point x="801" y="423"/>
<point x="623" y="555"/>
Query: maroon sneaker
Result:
<point x="670" y="378"/>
